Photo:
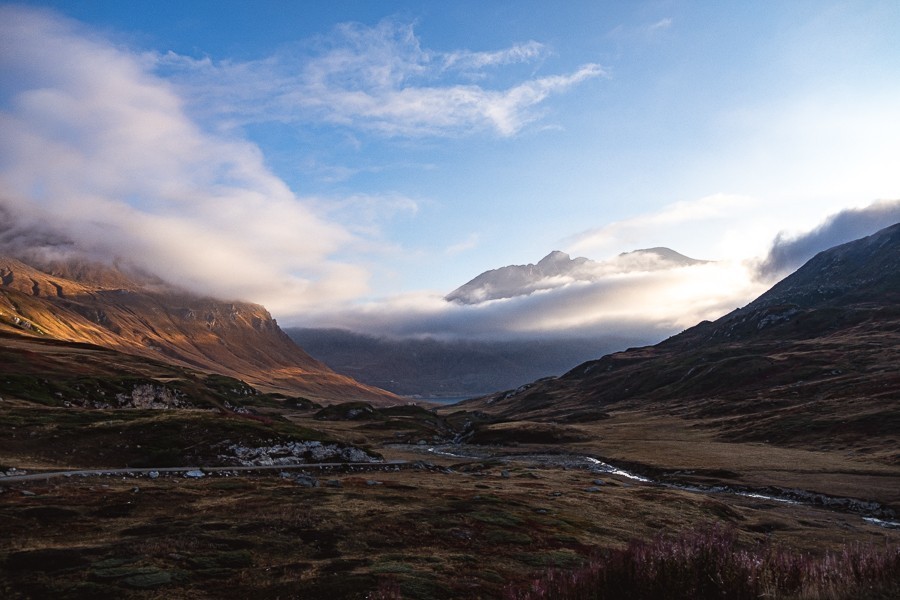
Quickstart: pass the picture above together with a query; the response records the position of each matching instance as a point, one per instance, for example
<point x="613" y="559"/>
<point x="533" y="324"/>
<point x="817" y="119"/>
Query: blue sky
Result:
<point x="348" y="163"/>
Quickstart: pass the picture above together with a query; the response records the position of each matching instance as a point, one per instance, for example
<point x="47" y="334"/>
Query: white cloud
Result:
<point x="468" y="243"/>
<point x="660" y="25"/>
<point x="99" y="150"/>
<point x="468" y="60"/>
<point x="672" y="222"/>
<point x="365" y="213"/>
<point x="375" y="79"/>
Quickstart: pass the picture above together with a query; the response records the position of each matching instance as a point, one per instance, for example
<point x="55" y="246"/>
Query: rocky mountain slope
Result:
<point x="813" y="362"/>
<point x="558" y="268"/>
<point x="89" y="303"/>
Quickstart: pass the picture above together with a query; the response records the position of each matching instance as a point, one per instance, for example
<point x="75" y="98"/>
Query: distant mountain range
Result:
<point x="138" y="315"/>
<point x="815" y="361"/>
<point x="433" y="367"/>
<point x="557" y="269"/>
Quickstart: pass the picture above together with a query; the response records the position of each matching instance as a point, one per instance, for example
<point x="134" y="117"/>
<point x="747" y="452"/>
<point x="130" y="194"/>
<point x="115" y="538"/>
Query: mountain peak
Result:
<point x="555" y="257"/>
<point x="557" y="269"/>
<point x="664" y="254"/>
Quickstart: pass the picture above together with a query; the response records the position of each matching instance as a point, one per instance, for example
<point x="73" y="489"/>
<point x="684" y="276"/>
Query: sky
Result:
<point x="350" y="163"/>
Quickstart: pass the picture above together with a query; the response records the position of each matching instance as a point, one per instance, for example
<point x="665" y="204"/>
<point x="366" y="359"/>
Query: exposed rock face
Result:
<point x="152" y="396"/>
<point x="103" y="306"/>
<point x="293" y="453"/>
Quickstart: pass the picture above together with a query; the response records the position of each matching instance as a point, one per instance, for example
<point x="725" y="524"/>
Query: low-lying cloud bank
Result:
<point x="634" y="295"/>
<point x="98" y="157"/>
<point x="643" y="304"/>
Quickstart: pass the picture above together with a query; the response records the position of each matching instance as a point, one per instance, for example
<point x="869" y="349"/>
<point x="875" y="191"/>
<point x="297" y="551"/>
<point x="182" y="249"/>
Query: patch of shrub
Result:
<point x="709" y="564"/>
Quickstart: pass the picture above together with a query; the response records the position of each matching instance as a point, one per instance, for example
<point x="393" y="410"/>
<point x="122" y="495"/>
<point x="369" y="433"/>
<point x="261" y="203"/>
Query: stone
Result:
<point x="153" y="474"/>
<point x="306" y="481"/>
<point x="195" y="474"/>
<point x="148" y="580"/>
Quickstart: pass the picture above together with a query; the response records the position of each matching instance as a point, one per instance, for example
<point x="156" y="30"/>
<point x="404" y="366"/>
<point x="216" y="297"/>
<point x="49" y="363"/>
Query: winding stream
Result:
<point x="871" y="512"/>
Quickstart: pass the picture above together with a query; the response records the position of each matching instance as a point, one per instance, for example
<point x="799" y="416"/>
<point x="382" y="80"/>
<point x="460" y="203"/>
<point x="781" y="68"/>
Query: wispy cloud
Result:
<point x="660" y="25"/>
<point x="375" y="79"/>
<point x="365" y="213"/>
<point x="468" y="243"/>
<point x="466" y="60"/>
<point x="651" y="228"/>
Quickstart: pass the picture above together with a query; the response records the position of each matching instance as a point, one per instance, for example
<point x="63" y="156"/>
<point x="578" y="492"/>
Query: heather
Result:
<point x="711" y="564"/>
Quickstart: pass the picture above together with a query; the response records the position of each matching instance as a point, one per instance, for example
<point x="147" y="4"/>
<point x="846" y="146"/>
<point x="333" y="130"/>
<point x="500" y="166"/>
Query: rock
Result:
<point x="599" y="482"/>
<point x="153" y="474"/>
<point x="306" y="481"/>
<point x="148" y="580"/>
<point x="28" y="493"/>
<point x="504" y="474"/>
<point x="592" y="489"/>
<point x="195" y="474"/>
<point x="373" y="482"/>
<point x="296" y="453"/>
<point x="335" y="483"/>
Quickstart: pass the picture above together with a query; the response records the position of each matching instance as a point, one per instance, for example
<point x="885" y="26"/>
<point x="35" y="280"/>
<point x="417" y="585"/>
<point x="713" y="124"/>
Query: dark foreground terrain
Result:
<point x="472" y="520"/>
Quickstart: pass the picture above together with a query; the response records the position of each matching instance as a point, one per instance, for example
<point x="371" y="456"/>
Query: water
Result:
<point x="795" y="497"/>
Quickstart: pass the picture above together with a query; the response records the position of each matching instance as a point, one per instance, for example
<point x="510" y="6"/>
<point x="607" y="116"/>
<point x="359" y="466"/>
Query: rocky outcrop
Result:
<point x="153" y="397"/>
<point x="293" y="453"/>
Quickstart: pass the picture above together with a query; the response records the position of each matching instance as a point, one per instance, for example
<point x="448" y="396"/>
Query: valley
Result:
<point x="770" y="432"/>
<point x="463" y="300"/>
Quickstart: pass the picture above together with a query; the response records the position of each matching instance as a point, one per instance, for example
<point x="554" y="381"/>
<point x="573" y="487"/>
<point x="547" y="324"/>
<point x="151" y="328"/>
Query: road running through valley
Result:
<point x="205" y="470"/>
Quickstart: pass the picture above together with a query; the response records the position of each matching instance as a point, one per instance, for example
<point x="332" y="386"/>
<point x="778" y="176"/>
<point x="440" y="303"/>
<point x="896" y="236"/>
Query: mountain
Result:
<point x="557" y="269"/>
<point x="813" y="362"/>
<point x="434" y="368"/>
<point x="138" y="315"/>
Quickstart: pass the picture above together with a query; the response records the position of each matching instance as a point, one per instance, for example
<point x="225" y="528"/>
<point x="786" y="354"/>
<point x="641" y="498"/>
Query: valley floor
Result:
<point x="451" y="522"/>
